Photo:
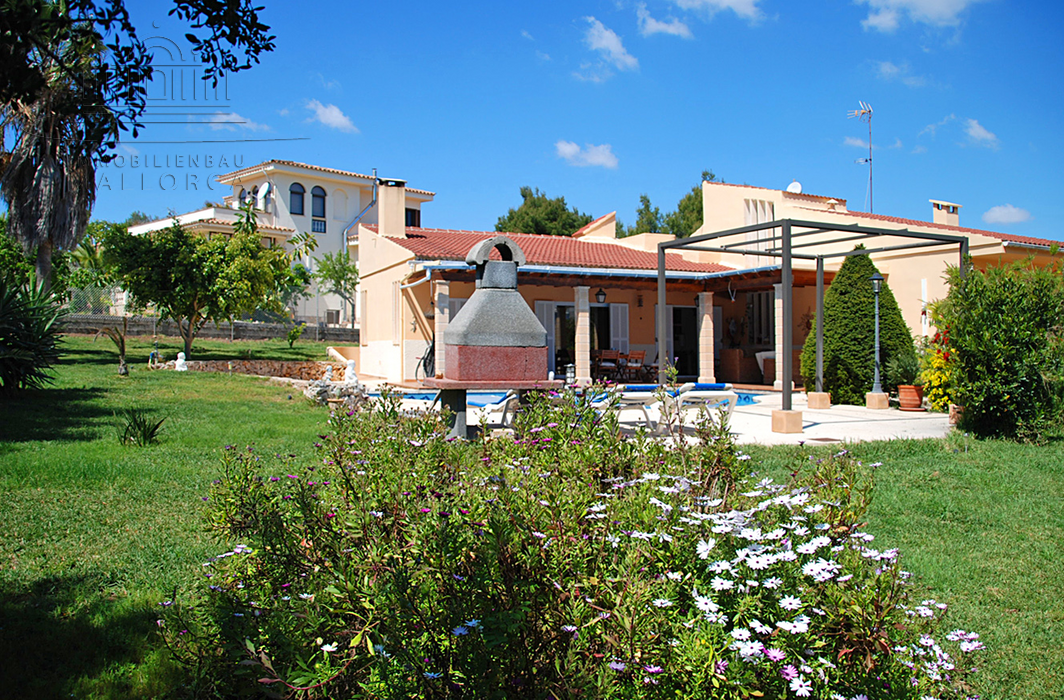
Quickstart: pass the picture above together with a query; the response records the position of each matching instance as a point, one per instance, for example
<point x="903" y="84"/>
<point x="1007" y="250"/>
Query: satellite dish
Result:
<point x="795" y="187"/>
<point x="263" y="196"/>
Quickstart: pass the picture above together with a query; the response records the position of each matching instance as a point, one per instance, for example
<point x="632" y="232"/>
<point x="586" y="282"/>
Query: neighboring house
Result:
<point x="294" y="198"/>
<point x="595" y="291"/>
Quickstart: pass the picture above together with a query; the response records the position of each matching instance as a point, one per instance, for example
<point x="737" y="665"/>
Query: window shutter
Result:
<point x="619" y="327"/>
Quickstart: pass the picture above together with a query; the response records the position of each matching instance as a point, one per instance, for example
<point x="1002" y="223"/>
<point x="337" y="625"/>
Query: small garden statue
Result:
<point x="349" y="373"/>
<point x="180" y="365"/>
<point x="327" y="377"/>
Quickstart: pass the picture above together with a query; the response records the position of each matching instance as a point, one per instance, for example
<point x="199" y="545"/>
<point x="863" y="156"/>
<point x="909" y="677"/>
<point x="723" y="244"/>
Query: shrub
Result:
<point x="1003" y="327"/>
<point x="140" y="428"/>
<point x="29" y="334"/>
<point x="562" y="562"/>
<point x="849" y="334"/>
<point x="295" y="333"/>
<point x="904" y="369"/>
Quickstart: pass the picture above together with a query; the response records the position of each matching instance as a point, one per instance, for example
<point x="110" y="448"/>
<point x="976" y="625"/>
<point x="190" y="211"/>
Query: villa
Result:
<point x="594" y="291"/>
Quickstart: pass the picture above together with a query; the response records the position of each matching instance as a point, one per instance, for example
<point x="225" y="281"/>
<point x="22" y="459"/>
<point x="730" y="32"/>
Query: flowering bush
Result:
<point x="937" y="370"/>
<point x="564" y="561"/>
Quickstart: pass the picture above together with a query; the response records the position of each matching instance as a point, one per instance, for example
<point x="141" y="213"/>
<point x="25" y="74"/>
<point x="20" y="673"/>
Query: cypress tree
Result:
<point x="849" y="334"/>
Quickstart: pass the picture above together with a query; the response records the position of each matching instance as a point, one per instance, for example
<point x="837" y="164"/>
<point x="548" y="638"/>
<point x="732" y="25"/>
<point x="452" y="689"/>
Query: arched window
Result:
<point x="243" y="196"/>
<point x="317" y="204"/>
<point x="295" y="198"/>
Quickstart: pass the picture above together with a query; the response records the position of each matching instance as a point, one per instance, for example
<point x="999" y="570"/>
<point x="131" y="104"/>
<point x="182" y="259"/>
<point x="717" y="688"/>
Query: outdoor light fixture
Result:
<point x="570" y="375"/>
<point x="600" y="296"/>
<point x="877" y="283"/>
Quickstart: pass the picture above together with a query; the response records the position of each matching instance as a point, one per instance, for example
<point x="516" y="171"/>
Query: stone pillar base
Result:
<point x="818" y="400"/>
<point x="877" y="401"/>
<point x="786" y="421"/>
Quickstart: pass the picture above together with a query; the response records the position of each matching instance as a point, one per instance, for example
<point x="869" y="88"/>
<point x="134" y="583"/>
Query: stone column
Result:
<point x="583" y="336"/>
<point x="443" y="317"/>
<point x="706" y="357"/>
<point x="782" y="354"/>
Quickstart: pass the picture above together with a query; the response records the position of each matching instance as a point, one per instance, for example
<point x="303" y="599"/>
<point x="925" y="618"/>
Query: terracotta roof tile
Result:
<point x="448" y="244"/>
<point x="1025" y="240"/>
<point x="230" y="224"/>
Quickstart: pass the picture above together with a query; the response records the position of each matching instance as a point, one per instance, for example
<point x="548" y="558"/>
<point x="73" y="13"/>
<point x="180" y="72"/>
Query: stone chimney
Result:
<point x="391" y="207"/>
<point x="946" y="213"/>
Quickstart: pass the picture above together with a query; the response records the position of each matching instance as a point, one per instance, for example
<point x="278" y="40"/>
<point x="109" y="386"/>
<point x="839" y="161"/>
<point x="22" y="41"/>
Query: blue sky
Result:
<point x="601" y="101"/>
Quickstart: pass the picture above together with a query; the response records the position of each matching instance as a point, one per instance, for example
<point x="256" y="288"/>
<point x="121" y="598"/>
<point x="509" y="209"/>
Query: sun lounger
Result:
<point x="695" y="394"/>
<point x="498" y="409"/>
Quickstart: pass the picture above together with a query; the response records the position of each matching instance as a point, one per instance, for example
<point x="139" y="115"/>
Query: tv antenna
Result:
<point x="864" y="113"/>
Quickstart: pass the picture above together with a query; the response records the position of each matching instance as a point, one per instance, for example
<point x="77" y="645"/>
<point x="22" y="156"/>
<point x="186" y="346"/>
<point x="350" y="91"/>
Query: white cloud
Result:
<point x="897" y="143"/>
<point x="890" y="71"/>
<point x="326" y="83"/>
<point x="588" y="156"/>
<point x="542" y="56"/>
<point x="1006" y="214"/>
<point x="744" y="8"/>
<point x="648" y="25"/>
<point x="856" y="142"/>
<point x="886" y="15"/>
<point x="525" y="34"/>
<point x="230" y="121"/>
<point x="933" y="128"/>
<point x="919" y="149"/>
<point x="980" y="135"/>
<point x="604" y="40"/>
<point x="331" y="116"/>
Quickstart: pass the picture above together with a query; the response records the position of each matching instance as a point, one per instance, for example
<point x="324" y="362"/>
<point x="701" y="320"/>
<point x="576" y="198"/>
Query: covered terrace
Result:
<point x="811" y="245"/>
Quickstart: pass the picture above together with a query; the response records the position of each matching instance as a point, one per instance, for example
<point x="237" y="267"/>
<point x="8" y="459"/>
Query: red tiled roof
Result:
<point x="228" y="177"/>
<point x="1025" y="240"/>
<point x="448" y="244"/>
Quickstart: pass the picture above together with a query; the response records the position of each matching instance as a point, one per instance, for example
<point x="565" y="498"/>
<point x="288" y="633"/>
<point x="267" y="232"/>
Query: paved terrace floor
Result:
<point x="753" y="424"/>
<point x="838" y="424"/>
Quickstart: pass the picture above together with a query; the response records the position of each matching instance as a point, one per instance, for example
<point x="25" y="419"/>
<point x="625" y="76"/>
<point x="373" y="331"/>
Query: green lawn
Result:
<point x="95" y="534"/>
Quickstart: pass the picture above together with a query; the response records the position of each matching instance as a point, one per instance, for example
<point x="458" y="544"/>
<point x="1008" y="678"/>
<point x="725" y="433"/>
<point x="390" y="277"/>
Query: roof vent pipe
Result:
<point x="372" y="201"/>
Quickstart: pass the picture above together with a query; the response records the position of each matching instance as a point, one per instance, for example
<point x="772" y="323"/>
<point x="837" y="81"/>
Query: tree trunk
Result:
<point x="44" y="265"/>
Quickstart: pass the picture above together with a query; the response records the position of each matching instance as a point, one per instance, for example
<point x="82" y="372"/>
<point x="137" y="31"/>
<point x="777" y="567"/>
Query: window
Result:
<point x="317" y="203"/>
<point x="243" y="196"/>
<point x="413" y="218"/>
<point x="295" y="198"/>
<point x="332" y="317"/>
<point x="761" y="308"/>
<point x="317" y="226"/>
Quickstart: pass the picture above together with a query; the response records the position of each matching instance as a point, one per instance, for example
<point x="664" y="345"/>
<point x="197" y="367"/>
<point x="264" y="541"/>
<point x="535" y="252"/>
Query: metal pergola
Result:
<point x="781" y="244"/>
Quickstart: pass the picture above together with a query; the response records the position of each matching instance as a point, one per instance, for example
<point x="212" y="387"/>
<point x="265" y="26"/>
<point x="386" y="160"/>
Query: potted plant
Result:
<point x="904" y="371"/>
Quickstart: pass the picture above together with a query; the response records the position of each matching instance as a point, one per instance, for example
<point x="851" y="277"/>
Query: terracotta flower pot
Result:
<point x="910" y="398"/>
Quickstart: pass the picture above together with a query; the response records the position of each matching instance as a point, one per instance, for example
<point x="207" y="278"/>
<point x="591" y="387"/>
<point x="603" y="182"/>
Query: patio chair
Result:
<point x="634" y="369"/>
<point x="609" y="361"/>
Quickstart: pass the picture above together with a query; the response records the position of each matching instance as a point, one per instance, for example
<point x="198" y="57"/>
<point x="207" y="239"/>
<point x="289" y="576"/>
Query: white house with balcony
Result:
<point x="293" y="198"/>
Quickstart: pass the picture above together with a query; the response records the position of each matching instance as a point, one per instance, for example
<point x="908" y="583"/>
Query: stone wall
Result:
<point x="306" y="371"/>
<point x="241" y="330"/>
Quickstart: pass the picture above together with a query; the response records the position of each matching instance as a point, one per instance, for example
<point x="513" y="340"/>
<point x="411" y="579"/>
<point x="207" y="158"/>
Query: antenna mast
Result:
<point x="864" y="113"/>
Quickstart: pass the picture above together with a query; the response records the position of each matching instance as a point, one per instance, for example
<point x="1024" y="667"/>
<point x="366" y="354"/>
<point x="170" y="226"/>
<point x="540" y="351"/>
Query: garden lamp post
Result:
<point x="877" y="283"/>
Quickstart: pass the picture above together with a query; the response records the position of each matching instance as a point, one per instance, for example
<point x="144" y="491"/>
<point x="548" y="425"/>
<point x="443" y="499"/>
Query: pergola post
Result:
<point x="819" y="399"/>
<point x="787" y="420"/>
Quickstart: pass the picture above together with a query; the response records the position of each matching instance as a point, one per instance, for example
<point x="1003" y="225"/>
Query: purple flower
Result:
<point x="617" y="666"/>
<point x="789" y="672"/>
<point x="653" y="669"/>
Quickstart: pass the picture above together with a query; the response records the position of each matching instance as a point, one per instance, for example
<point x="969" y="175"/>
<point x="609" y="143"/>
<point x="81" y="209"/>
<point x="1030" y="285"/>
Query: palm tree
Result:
<point x="48" y="176"/>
